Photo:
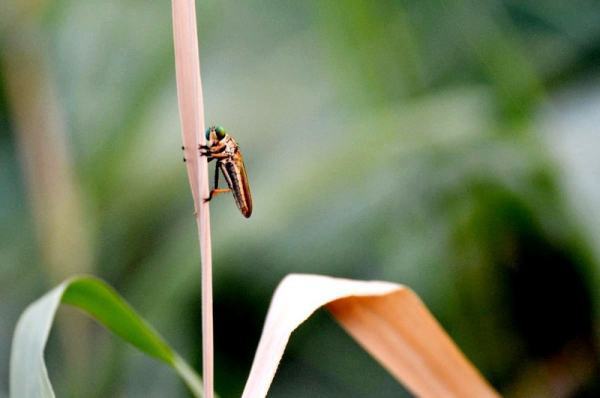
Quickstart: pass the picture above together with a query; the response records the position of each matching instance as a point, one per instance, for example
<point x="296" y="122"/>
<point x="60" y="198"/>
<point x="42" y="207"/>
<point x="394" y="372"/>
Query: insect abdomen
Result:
<point x="235" y="174"/>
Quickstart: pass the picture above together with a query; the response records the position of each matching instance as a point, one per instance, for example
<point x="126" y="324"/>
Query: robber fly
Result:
<point x="222" y="146"/>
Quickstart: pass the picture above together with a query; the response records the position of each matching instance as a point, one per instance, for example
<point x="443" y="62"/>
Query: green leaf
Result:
<point x="28" y="374"/>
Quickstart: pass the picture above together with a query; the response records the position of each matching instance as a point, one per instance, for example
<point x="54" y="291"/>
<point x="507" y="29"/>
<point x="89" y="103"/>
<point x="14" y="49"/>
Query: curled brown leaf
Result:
<point x="387" y="319"/>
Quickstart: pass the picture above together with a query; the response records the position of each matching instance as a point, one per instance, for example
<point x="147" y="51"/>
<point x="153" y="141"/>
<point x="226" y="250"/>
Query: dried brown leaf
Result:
<point x="387" y="319"/>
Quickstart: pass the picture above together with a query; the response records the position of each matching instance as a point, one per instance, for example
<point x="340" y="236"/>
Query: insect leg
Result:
<point x="216" y="192"/>
<point x="216" y="186"/>
<point x="216" y="148"/>
<point x="215" y="155"/>
<point x="212" y="149"/>
<point x="208" y="155"/>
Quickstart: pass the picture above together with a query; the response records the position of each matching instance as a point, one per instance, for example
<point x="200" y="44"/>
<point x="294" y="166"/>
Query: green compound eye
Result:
<point x="220" y="132"/>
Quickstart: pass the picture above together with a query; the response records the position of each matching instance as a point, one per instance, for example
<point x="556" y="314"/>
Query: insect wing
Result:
<point x="244" y="201"/>
<point x="234" y="172"/>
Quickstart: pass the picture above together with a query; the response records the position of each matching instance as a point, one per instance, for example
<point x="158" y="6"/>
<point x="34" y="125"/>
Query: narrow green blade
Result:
<point x="28" y="374"/>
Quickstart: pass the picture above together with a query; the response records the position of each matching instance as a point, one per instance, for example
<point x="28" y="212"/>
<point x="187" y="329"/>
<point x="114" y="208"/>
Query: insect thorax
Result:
<point x="230" y="146"/>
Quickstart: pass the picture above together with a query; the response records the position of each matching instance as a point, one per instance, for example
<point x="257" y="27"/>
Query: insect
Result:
<point x="222" y="146"/>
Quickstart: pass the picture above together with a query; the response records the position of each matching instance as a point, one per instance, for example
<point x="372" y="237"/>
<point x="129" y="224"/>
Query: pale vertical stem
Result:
<point x="191" y="112"/>
<point x="203" y="222"/>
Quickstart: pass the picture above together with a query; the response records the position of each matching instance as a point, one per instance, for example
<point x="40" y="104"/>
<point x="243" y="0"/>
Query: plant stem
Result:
<point x="191" y="112"/>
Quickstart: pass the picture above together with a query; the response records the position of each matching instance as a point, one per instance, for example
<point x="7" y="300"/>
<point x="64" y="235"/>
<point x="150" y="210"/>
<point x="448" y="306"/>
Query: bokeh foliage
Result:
<point x="444" y="145"/>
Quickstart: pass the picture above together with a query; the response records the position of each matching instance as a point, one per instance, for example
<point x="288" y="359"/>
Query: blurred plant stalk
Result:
<point x="63" y="233"/>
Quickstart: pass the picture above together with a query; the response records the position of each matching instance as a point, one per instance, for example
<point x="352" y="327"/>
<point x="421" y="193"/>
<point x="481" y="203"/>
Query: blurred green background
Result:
<point x="449" y="146"/>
